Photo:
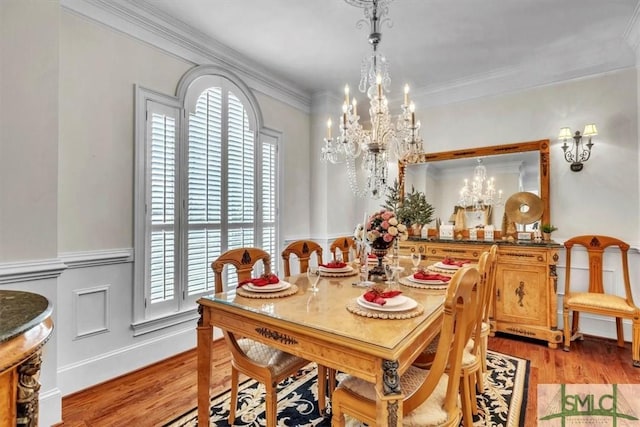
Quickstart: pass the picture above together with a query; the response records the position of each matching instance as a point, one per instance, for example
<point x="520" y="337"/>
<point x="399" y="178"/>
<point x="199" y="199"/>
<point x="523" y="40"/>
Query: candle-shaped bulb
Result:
<point x="346" y="93"/>
<point x="379" y="83"/>
<point x="345" y="107"/>
<point x="329" y="128"/>
<point x="406" y="94"/>
<point x="412" y="108"/>
<point x="355" y="106"/>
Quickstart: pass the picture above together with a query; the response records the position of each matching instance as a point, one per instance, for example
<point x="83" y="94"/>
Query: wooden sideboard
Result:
<point x="525" y="299"/>
<point x="25" y="326"/>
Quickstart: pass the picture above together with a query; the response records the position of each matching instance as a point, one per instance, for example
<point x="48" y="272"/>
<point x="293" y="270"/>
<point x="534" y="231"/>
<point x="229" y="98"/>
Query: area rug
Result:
<point x="503" y="402"/>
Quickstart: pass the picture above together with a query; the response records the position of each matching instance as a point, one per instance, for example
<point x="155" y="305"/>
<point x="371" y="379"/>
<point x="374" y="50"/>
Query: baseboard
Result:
<point x="95" y="370"/>
<point x="50" y="402"/>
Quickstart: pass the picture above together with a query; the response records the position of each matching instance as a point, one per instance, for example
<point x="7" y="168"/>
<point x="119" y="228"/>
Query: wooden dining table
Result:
<point x="318" y="327"/>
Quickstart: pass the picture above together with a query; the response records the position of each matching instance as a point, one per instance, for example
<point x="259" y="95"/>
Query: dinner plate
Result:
<point x="409" y="304"/>
<point x="345" y="269"/>
<point x="426" y="282"/>
<point x="275" y="287"/>
<point x="391" y="302"/>
<point x="440" y="264"/>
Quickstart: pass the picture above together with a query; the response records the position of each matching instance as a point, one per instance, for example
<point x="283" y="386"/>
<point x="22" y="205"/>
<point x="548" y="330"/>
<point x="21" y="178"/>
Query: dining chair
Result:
<point x="259" y="361"/>
<point x="303" y="249"/>
<point x="485" y="326"/>
<point x="596" y="299"/>
<point x="430" y="396"/>
<point x="346" y="245"/>
<point x="471" y="376"/>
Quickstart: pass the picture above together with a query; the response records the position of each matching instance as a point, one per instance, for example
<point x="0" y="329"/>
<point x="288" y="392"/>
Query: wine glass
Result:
<point x="415" y="260"/>
<point x="313" y="273"/>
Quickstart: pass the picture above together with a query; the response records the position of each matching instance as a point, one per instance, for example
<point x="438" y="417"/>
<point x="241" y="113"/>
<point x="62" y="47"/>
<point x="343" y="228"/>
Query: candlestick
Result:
<point x="412" y="108"/>
<point x="406" y="94"/>
<point x="355" y="106"/>
<point x="379" y="83"/>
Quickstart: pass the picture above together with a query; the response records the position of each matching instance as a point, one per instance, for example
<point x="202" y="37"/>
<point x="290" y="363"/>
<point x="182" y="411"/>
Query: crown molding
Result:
<point x="141" y="20"/>
<point x="632" y="33"/>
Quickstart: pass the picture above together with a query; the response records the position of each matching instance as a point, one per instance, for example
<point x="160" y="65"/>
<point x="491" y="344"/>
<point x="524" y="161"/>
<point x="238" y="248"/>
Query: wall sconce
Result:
<point x="579" y="153"/>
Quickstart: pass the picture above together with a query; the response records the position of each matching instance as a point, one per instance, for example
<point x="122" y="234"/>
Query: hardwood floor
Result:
<point x="161" y="392"/>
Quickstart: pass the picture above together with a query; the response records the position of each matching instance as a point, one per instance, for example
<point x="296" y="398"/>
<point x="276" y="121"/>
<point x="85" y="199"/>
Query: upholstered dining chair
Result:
<point x="259" y="361"/>
<point x="596" y="299"/>
<point x="471" y="376"/>
<point x="487" y="299"/>
<point x="346" y="245"/>
<point x="303" y="249"/>
<point x="430" y="396"/>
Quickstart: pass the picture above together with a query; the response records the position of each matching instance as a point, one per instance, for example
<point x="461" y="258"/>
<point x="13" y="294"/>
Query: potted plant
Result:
<point x="547" y="229"/>
<point x="414" y="210"/>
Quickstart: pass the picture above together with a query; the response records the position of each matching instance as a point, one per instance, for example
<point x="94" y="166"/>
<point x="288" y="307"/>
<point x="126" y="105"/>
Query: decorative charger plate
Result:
<point x="335" y="270"/>
<point x="427" y="282"/>
<point x="290" y="290"/>
<point x="275" y="287"/>
<point x="397" y="303"/>
<point x="357" y="309"/>
<point x="350" y="272"/>
<point x="404" y="281"/>
<point x="444" y="266"/>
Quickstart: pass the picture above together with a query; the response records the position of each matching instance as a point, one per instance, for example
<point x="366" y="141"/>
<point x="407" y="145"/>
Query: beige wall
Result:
<point x="603" y="197"/>
<point x="28" y="130"/>
<point x="98" y="70"/>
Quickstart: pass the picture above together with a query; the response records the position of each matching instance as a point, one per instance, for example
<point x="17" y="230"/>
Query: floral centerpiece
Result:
<point x="383" y="229"/>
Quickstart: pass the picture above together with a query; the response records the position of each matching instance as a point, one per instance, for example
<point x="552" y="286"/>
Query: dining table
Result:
<point x="329" y="327"/>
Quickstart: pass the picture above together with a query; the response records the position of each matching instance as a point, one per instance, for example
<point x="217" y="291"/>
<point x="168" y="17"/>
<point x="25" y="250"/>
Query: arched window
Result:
<point x="208" y="177"/>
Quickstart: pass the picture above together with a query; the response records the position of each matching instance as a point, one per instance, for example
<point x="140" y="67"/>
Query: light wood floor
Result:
<point x="161" y="392"/>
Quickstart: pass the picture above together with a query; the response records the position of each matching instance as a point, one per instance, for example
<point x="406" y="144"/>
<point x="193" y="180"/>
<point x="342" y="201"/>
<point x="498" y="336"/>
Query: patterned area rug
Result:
<point x="503" y="402"/>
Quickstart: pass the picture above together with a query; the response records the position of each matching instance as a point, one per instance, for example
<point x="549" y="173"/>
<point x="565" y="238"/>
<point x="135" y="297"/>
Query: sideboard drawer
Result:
<point x="522" y="256"/>
<point x="456" y="251"/>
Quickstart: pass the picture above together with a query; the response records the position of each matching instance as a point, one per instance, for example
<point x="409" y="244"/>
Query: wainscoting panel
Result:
<point x="92" y="313"/>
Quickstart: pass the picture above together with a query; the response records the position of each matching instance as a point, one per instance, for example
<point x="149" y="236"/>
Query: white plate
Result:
<point x="409" y="304"/>
<point x="391" y="302"/>
<point x="275" y="287"/>
<point x="335" y="270"/>
<point x="426" y="282"/>
<point x="439" y="264"/>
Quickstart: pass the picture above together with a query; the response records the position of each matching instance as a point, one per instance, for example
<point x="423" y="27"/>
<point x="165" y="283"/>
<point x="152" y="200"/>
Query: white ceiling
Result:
<point x="315" y="45"/>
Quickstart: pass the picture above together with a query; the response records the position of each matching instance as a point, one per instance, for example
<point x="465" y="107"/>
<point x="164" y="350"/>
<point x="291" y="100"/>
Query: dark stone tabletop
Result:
<point x="21" y="311"/>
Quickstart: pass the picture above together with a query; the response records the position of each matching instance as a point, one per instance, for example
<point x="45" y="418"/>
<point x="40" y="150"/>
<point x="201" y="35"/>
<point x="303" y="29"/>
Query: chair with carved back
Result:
<point x="596" y="298"/>
<point x="487" y="299"/>
<point x="471" y="376"/>
<point x="303" y="249"/>
<point x="259" y="361"/>
<point x="430" y="396"/>
<point x="347" y="246"/>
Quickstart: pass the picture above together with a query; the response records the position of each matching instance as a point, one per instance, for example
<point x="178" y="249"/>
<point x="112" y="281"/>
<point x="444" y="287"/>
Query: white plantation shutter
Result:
<point x="210" y="184"/>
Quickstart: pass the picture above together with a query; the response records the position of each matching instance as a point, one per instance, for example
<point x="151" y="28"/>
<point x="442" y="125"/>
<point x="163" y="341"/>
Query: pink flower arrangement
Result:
<point x="384" y="224"/>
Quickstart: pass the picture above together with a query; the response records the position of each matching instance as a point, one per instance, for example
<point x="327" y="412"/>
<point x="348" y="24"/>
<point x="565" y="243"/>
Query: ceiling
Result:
<point x="314" y="45"/>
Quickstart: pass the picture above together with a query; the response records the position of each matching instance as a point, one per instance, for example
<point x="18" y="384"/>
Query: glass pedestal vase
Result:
<point x="379" y="248"/>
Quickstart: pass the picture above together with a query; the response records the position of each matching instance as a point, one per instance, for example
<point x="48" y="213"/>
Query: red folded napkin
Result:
<point x="378" y="297"/>
<point x="450" y="261"/>
<point x="334" y="264"/>
<point x="372" y="256"/>
<point x="264" y="280"/>
<point x="421" y="275"/>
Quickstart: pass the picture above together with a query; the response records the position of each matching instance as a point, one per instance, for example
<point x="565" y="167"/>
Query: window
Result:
<point x="205" y="183"/>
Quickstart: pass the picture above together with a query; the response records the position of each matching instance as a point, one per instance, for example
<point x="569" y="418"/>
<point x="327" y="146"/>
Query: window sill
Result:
<point x="163" y="322"/>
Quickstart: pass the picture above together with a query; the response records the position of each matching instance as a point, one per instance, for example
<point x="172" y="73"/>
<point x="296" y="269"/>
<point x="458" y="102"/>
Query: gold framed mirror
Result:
<point x="534" y="153"/>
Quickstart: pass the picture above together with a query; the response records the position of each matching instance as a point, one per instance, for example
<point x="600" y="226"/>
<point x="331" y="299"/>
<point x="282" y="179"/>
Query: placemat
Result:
<point x="406" y="282"/>
<point x="266" y="295"/>
<point x="353" y="272"/>
<point x="355" y="308"/>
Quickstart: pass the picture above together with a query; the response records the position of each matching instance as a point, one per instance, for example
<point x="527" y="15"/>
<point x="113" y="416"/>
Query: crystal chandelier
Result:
<point x="481" y="191"/>
<point x="368" y="149"/>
